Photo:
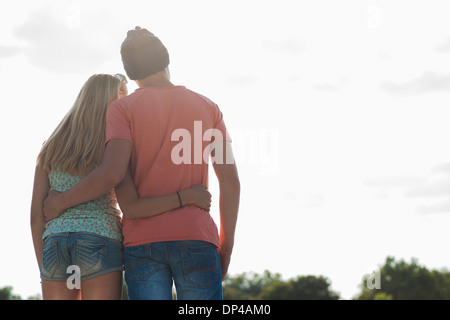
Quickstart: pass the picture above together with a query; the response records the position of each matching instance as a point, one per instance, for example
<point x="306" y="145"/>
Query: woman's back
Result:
<point x="99" y="216"/>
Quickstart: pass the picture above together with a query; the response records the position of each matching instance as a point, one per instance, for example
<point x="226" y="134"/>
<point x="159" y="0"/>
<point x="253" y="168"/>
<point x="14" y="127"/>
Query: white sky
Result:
<point x="338" y="110"/>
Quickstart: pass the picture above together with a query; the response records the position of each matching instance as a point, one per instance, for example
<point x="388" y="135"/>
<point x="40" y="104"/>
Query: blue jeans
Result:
<point x="95" y="255"/>
<point x="193" y="265"/>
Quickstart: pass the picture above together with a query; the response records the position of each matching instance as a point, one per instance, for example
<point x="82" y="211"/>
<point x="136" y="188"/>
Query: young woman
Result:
<point x="88" y="238"/>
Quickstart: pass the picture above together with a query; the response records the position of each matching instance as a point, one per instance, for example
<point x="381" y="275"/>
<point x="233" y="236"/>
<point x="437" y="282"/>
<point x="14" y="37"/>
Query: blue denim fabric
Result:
<point x="95" y="255"/>
<point x="193" y="266"/>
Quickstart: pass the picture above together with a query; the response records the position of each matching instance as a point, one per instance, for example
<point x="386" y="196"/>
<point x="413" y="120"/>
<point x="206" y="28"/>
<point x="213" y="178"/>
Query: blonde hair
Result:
<point x="78" y="143"/>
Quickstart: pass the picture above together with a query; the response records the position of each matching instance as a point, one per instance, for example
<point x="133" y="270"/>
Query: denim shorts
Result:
<point x="192" y="266"/>
<point x="94" y="255"/>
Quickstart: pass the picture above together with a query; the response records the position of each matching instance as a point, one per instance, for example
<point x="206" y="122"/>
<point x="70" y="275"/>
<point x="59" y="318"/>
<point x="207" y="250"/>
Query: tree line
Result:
<point x="395" y="280"/>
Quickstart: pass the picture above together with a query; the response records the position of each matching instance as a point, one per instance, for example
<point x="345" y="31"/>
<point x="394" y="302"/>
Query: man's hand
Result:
<point x="225" y="258"/>
<point x="52" y="207"/>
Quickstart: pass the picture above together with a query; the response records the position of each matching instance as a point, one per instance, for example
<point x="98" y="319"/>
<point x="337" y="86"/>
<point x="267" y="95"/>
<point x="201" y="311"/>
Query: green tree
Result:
<point x="37" y="296"/>
<point x="400" y="280"/>
<point x="251" y="286"/>
<point x="382" y="296"/>
<point x="300" y="288"/>
<point x="247" y="286"/>
<point x="7" y="294"/>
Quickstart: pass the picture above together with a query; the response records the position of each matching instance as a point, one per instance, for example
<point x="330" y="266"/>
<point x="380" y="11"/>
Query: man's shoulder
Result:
<point x="202" y="97"/>
<point x="124" y="102"/>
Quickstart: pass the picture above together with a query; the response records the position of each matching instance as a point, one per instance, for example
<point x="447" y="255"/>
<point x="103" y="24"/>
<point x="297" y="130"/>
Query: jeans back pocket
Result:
<point x="50" y="257"/>
<point x="90" y="254"/>
<point x="139" y="265"/>
<point x="200" y="265"/>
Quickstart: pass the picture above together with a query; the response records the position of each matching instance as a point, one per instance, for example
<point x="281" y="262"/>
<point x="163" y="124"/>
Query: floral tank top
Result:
<point x="99" y="216"/>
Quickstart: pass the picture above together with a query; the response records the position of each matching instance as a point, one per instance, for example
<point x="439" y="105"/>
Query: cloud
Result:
<point x="288" y="45"/>
<point x="428" y="82"/>
<point x="64" y="40"/>
<point x="311" y="201"/>
<point x="437" y="185"/>
<point x="442" y="168"/>
<point x="443" y="47"/>
<point x="326" y="87"/>
<point x="9" y="51"/>
<point x="241" y="80"/>
<point x="432" y="193"/>
<point x="440" y="207"/>
<point x="305" y="201"/>
<point x="331" y="87"/>
<point x="400" y="181"/>
<point x="430" y="189"/>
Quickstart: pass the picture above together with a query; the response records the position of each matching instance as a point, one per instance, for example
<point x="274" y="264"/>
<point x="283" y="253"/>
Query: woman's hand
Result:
<point x="197" y="195"/>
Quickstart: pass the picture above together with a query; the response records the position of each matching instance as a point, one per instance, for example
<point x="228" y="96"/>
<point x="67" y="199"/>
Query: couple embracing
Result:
<point x="116" y="150"/>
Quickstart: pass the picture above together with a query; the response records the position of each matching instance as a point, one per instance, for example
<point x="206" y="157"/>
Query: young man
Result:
<point x="164" y="133"/>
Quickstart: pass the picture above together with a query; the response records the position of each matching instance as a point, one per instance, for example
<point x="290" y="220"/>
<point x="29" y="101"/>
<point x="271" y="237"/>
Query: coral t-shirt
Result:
<point x="170" y="129"/>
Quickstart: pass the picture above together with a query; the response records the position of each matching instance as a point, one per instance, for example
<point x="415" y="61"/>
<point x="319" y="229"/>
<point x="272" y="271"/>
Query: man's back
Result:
<point x="169" y="128"/>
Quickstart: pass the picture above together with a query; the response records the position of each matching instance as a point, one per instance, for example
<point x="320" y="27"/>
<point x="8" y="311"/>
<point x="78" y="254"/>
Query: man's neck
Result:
<point x="157" y="83"/>
<point x="160" y="79"/>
